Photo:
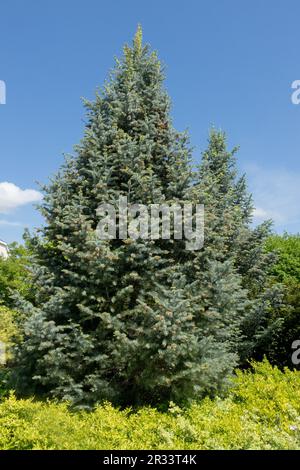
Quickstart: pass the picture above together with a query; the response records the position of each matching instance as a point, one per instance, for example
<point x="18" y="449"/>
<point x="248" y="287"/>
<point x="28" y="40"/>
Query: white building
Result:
<point x="3" y="249"/>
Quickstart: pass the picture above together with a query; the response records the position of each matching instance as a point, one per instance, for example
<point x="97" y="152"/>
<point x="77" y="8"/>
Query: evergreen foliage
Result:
<point x="144" y="321"/>
<point x="231" y="240"/>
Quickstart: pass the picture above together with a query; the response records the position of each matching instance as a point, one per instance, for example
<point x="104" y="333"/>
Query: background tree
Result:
<point x="15" y="275"/>
<point x="286" y="271"/>
<point x="231" y="239"/>
<point x="15" y="279"/>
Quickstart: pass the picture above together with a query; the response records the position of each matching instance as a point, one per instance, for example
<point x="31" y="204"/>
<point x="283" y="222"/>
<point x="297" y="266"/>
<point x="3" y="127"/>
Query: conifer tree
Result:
<point x="229" y="210"/>
<point x="133" y="321"/>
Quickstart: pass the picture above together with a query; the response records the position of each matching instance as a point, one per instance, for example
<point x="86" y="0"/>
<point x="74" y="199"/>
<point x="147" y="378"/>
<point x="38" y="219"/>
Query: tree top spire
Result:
<point x="138" y="39"/>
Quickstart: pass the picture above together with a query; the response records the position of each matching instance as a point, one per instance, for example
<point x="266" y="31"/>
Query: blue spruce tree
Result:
<point x="143" y="321"/>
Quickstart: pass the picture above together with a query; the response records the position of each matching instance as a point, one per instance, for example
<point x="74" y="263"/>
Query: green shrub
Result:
<point x="261" y="412"/>
<point x="9" y="333"/>
<point x="8" y="325"/>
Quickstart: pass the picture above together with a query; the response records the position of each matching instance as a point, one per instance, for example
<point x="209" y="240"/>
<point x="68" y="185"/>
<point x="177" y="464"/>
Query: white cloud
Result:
<point x="260" y="213"/>
<point x="276" y="195"/>
<point x="11" y="197"/>
<point x="8" y="223"/>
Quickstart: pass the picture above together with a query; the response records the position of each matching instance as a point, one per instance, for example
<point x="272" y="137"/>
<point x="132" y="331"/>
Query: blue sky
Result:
<point x="229" y="63"/>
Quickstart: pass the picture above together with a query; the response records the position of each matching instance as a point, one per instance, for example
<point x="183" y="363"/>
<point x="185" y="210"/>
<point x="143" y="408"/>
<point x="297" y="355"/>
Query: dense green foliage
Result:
<point x="9" y="334"/>
<point x="8" y="325"/>
<point x="287" y="271"/>
<point x="15" y="275"/>
<point x="287" y="266"/>
<point x="145" y="321"/>
<point x="261" y="412"/>
<point x="15" y="279"/>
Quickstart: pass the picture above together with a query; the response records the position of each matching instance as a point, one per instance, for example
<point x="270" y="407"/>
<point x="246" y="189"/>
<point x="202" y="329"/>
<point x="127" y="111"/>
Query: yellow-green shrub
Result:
<point x="261" y="412"/>
<point x="8" y="326"/>
<point x="9" y="332"/>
